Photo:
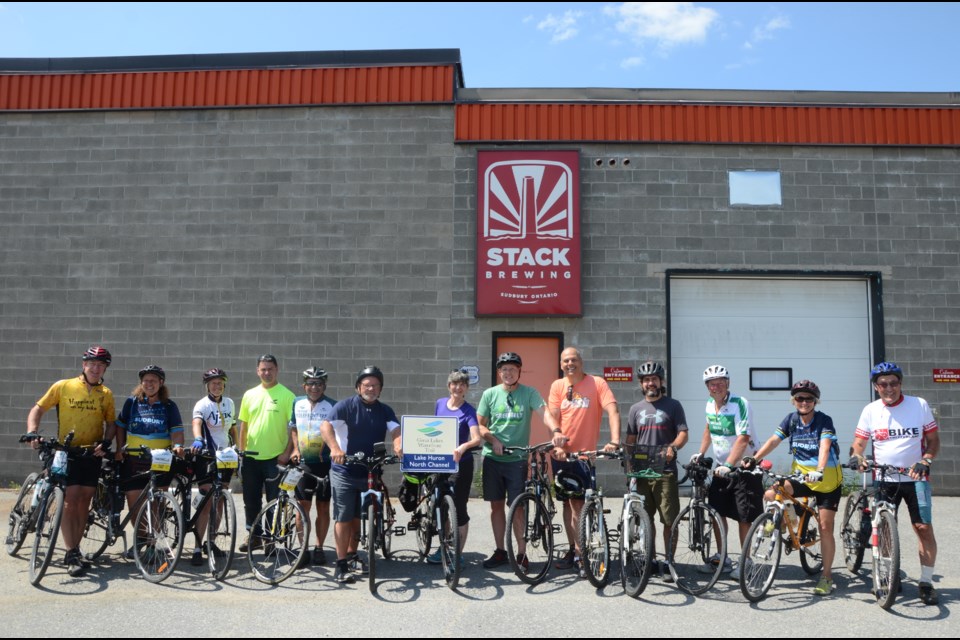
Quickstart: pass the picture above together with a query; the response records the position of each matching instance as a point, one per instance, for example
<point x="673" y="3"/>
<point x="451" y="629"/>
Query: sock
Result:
<point x="926" y="574"/>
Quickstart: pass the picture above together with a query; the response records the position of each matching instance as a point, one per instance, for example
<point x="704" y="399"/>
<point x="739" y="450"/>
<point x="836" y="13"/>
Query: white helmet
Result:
<point x="714" y="372"/>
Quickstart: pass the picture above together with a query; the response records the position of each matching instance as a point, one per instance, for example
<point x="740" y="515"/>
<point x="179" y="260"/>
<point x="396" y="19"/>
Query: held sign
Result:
<point x="528" y="233"/>
<point x="428" y="443"/>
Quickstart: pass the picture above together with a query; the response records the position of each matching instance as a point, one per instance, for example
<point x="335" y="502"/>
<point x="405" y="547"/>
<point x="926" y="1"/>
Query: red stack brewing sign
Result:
<point x="528" y="233"/>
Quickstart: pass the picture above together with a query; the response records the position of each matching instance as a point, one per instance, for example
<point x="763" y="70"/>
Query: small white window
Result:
<point x="755" y="188"/>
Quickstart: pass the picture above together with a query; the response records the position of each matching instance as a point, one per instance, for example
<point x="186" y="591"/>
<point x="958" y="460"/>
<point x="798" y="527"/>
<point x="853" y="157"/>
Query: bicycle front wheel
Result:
<point x="18" y="523"/>
<point x="636" y="549"/>
<point x="158" y="536"/>
<point x="594" y="544"/>
<point x="96" y="532"/>
<point x="760" y="556"/>
<point x="373" y="538"/>
<point x="278" y="540"/>
<point x="386" y="530"/>
<point x="693" y="542"/>
<point x="424" y="521"/>
<point x="529" y="539"/>
<point x="855" y="532"/>
<point x="449" y="540"/>
<point x="811" y="555"/>
<point x="886" y="561"/>
<point x="221" y="534"/>
<point x="48" y="528"/>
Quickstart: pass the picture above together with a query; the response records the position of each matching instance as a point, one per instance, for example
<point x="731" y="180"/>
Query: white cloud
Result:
<point x="665" y="23"/>
<point x="563" y="28"/>
<point x="767" y="31"/>
<point x="629" y="63"/>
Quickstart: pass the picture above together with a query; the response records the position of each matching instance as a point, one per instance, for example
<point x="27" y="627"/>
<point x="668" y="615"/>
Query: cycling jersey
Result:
<point x="80" y="409"/>
<point x="726" y="425"/>
<point x="897" y="432"/>
<point x="149" y="425"/>
<point x="805" y="442"/>
<point x="306" y="419"/>
<point x="217" y="419"/>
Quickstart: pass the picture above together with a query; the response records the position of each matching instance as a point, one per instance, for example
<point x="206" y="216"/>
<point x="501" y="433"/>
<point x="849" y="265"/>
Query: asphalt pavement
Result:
<point x="412" y="601"/>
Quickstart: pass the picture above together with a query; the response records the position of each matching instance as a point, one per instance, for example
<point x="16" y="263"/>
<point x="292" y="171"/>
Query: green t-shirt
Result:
<point x="508" y="417"/>
<point x="267" y="413"/>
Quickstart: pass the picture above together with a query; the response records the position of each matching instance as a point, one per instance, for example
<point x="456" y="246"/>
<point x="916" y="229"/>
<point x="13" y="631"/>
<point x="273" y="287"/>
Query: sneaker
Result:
<point x="664" y="569"/>
<point x="252" y="544"/>
<point x="498" y="558"/>
<point x="197" y="558"/>
<point x="217" y="551"/>
<point x="342" y="574"/>
<point x="73" y="560"/>
<point x="734" y="572"/>
<point x="318" y="557"/>
<point x="567" y="561"/>
<point x="304" y="561"/>
<point x="824" y="588"/>
<point x="928" y="595"/>
<point x="522" y="561"/>
<point x="711" y="565"/>
<point x="434" y="558"/>
<point x="129" y="553"/>
<point x="357" y="565"/>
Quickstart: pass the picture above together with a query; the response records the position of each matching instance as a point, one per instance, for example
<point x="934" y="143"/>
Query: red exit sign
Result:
<point x="618" y="374"/>
<point x="946" y="375"/>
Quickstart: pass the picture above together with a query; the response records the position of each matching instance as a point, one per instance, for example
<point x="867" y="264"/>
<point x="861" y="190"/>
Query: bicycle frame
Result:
<point x="793" y="532"/>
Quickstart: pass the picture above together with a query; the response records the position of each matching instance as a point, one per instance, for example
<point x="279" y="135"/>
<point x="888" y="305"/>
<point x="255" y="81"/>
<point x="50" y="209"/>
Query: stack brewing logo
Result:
<point x="528" y="240"/>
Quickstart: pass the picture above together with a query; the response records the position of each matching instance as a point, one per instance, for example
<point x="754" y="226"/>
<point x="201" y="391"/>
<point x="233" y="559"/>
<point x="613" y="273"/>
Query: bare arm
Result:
<point x="330" y="438"/>
<point x="769" y="446"/>
<point x="613" y="417"/>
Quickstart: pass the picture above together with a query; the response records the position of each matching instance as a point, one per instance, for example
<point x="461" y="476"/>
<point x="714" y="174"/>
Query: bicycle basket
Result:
<point x="644" y="460"/>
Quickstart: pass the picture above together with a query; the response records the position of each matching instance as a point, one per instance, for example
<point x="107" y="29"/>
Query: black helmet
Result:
<point x="805" y="385"/>
<point x="155" y="370"/>
<point x="213" y="374"/>
<point x="316" y="373"/>
<point x="567" y="485"/>
<point x="651" y="368"/>
<point x="368" y="371"/>
<point x="509" y="357"/>
<point x="96" y="352"/>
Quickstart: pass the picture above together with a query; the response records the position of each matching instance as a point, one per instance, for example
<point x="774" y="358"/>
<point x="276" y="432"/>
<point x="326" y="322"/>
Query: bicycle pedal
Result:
<point x="556" y="529"/>
<point x="412" y="526"/>
<point x="399" y="530"/>
<point x="606" y="511"/>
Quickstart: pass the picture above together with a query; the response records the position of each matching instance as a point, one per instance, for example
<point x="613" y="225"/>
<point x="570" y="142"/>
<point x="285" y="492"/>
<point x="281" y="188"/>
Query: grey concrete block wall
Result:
<point x="343" y="236"/>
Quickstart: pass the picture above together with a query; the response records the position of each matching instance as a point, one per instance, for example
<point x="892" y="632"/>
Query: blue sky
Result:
<point x="798" y="46"/>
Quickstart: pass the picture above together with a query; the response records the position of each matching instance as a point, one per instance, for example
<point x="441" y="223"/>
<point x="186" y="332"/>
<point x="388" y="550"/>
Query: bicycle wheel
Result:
<point x="636" y="549"/>
<point x="373" y="537"/>
<point x="760" y="556"/>
<point x="693" y="541"/>
<point x="594" y="544"/>
<point x="158" y="536"/>
<point x="529" y="539"/>
<point x="280" y="542"/>
<point x="18" y="523"/>
<point x="811" y="556"/>
<point x="855" y="524"/>
<point x="221" y="534"/>
<point x="386" y="531"/>
<point x="48" y="528"/>
<point x="96" y="532"/>
<point x="886" y="561"/>
<point x="424" y="521"/>
<point x="448" y="539"/>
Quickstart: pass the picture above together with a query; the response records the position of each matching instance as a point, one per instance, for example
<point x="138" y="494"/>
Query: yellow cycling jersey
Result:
<point x="80" y="409"/>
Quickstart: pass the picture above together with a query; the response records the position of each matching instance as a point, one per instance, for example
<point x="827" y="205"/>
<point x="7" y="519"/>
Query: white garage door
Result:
<point x="818" y="328"/>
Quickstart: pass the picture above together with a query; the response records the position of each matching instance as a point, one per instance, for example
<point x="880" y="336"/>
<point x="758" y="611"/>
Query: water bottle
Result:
<point x="873" y="537"/>
<point x="37" y="492"/>
<point x="59" y="465"/>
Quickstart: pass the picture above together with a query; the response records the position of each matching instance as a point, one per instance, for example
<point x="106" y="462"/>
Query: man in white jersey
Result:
<point x="904" y="434"/>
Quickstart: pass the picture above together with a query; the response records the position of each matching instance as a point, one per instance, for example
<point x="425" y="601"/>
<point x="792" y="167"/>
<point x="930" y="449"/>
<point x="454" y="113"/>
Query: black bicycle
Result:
<point x="696" y="536"/>
<point x="436" y="515"/>
<point x="530" y="528"/>
<point x="594" y="535"/>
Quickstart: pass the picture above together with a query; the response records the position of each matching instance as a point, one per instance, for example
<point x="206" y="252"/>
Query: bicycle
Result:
<point x="870" y="520"/>
<point x="775" y="529"/>
<point x="221" y="519"/>
<point x="531" y="554"/>
<point x="593" y="534"/>
<point x="640" y="462"/>
<point x="280" y="535"/>
<point x="696" y="535"/>
<point x="377" y="525"/>
<point x="155" y="514"/>
<point x="436" y="514"/>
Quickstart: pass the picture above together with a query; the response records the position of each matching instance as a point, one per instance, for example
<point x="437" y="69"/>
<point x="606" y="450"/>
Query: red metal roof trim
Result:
<point x="708" y="124"/>
<point x="227" y="88"/>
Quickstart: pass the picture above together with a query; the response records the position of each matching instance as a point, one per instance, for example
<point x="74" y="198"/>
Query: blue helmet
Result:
<point x="885" y="369"/>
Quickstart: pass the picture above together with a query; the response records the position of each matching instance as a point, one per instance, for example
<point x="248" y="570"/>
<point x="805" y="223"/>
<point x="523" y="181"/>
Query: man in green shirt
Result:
<point x="263" y="418"/>
<point x="504" y="416"/>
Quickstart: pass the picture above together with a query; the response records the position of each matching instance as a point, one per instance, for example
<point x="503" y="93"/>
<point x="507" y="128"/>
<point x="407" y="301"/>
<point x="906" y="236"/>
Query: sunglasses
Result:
<point x="314" y="384"/>
<point x="510" y="401"/>
<point x="804" y="398"/>
<point x="888" y="385"/>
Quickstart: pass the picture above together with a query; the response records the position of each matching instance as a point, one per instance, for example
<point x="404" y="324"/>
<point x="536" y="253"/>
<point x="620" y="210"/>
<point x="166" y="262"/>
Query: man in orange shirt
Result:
<point x="577" y="402"/>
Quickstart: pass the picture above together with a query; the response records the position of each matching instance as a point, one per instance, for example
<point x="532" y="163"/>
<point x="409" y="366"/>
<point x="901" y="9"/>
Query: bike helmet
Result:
<point x="96" y="352"/>
<point x="714" y="372"/>
<point x="508" y="358"/>
<point x="155" y="370"/>
<point x="316" y="373"/>
<point x="213" y="374"/>
<point x="651" y="368"/>
<point x="885" y="369"/>
<point x="805" y="385"/>
<point x="567" y="485"/>
<point x="366" y="372"/>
